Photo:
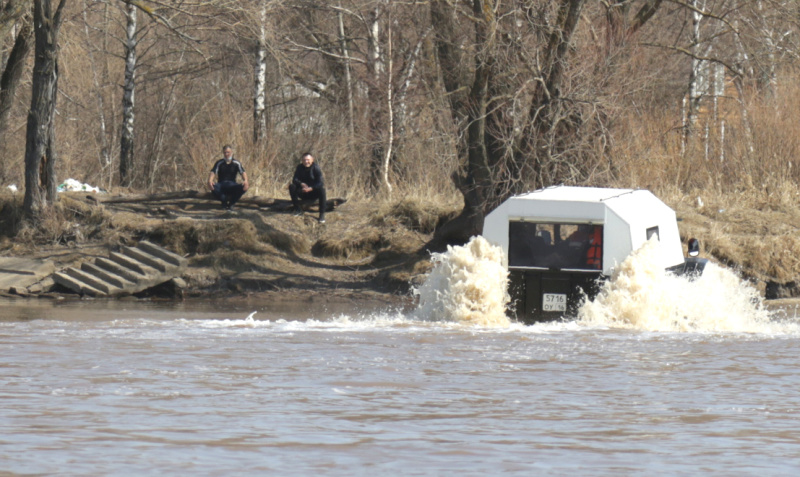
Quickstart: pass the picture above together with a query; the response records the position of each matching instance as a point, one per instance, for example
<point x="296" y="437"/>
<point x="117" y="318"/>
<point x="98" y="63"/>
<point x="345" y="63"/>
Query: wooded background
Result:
<point x="448" y="100"/>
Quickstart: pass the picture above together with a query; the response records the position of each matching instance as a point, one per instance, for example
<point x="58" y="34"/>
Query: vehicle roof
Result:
<point x="575" y="194"/>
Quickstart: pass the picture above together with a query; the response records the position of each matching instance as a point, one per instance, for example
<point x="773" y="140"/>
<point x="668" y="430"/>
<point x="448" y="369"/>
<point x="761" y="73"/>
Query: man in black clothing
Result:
<point x="225" y="170"/>
<point x="307" y="183"/>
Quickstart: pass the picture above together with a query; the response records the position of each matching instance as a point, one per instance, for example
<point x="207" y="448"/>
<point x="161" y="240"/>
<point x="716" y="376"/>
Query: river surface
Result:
<point x="126" y="388"/>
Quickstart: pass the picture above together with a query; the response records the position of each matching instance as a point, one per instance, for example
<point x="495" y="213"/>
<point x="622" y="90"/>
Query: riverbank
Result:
<point x="366" y="251"/>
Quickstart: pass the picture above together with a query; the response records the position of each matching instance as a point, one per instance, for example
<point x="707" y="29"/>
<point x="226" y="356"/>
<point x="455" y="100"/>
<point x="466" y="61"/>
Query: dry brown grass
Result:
<point x="387" y="228"/>
<point x="414" y="213"/>
<point x="226" y="261"/>
<point x="741" y="204"/>
<point x="648" y="153"/>
<point x="188" y="236"/>
<point x="762" y="244"/>
<point x="355" y="244"/>
<point x="68" y="220"/>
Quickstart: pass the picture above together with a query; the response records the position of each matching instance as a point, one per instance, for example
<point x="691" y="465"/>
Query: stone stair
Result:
<point x="123" y="273"/>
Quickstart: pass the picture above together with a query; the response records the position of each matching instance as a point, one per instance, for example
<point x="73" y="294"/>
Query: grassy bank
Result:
<point x="366" y="246"/>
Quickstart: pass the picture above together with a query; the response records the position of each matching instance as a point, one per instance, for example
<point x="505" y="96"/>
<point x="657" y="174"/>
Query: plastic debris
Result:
<point x="72" y="185"/>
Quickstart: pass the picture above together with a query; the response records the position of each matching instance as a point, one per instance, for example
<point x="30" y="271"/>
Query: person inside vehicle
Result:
<point x="222" y="181"/>
<point x="594" y="255"/>
<point x="306" y="184"/>
<point x="586" y="243"/>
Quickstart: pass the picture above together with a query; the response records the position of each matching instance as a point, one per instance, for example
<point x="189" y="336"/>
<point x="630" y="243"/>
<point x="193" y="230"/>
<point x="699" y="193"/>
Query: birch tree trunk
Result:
<point x="260" y="113"/>
<point x="390" y="119"/>
<point x="771" y="39"/>
<point x="695" y="75"/>
<point x="347" y="75"/>
<point x="40" y="153"/>
<point x="128" y="99"/>
<point x="375" y="95"/>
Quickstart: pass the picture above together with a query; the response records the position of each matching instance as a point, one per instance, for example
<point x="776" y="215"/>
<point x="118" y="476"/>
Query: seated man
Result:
<point x="306" y="184"/>
<point x="225" y="170"/>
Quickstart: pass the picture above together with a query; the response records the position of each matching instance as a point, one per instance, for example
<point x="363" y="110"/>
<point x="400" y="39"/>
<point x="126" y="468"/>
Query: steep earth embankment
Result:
<point x="361" y="252"/>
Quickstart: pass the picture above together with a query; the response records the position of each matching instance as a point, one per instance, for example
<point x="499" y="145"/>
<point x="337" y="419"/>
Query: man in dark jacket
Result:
<point x="225" y="171"/>
<point x="306" y="184"/>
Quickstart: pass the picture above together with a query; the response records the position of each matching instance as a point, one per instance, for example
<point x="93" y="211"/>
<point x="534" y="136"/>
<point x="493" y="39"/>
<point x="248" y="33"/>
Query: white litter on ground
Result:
<point x="72" y="185"/>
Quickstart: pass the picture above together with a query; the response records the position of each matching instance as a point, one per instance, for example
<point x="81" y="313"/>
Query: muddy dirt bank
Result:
<point x="362" y="252"/>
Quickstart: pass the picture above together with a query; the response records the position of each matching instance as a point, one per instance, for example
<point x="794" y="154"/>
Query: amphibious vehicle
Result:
<point x="562" y="242"/>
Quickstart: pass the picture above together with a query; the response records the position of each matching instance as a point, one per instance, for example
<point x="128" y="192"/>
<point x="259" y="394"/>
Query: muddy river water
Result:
<point x="128" y="388"/>
<point x="88" y="389"/>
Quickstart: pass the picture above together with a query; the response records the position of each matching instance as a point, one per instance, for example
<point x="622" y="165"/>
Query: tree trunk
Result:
<point x="260" y="114"/>
<point x="695" y="77"/>
<point x="375" y="96"/>
<point x="452" y="64"/>
<point x="40" y="154"/>
<point x="385" y="184"/>
<point x="128" y="99"/>
<point x="405" y="85"/>
<point x="105" y="153"/>
<point x="536" y="144"/>
<point x="468" y="111"/>
<point x="347" y="76"/>
<point x="472" y="87"/>
<point x="644" y="14"/>
<point x="12" y="75"/>
<point x="477" y="185"/>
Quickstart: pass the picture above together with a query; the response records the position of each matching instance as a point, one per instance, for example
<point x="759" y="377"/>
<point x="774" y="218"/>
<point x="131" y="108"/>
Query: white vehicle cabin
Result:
<point x="561" y="239"/>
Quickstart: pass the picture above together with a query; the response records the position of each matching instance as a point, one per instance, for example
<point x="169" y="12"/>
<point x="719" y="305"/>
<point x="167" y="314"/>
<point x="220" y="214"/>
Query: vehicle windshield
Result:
<point x="555" y="246"/>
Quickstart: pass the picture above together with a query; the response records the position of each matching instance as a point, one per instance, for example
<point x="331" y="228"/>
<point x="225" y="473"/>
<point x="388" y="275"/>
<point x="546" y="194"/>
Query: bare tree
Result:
<point x="40" y="151"/>
<point x="128" y="98"/>
<point x="12" y="73"/>
<point x="176" y="19"/>
<point x="351" y="69"/>
<point x="348" y="78"/>
<point x="260" y="111"/>
<point x="13" y="13"/>
<point x="105" y="153"/>
<point x="474" y="86"/>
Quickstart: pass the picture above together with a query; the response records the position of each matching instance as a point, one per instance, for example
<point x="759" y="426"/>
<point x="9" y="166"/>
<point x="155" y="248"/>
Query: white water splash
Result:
<point x="642" y="295"/>
<point x="468" y="284"/>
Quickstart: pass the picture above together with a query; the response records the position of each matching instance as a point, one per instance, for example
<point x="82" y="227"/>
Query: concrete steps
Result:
<point x="123" y="273"/>
<point x="18" y="274"/>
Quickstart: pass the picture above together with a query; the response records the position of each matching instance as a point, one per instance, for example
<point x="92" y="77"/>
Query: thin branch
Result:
<point x="736" y="71"/>
<point x="323" y="52"/>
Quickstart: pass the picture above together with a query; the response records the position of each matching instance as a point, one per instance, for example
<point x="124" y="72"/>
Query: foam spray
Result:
<point x="468" y="284"/>
<point x="642" y="295"/>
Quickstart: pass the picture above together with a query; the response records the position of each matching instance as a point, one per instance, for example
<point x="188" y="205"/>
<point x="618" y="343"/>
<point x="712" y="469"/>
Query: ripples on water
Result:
<point x="382" y="394"/>
<point x="99" y="389"/>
